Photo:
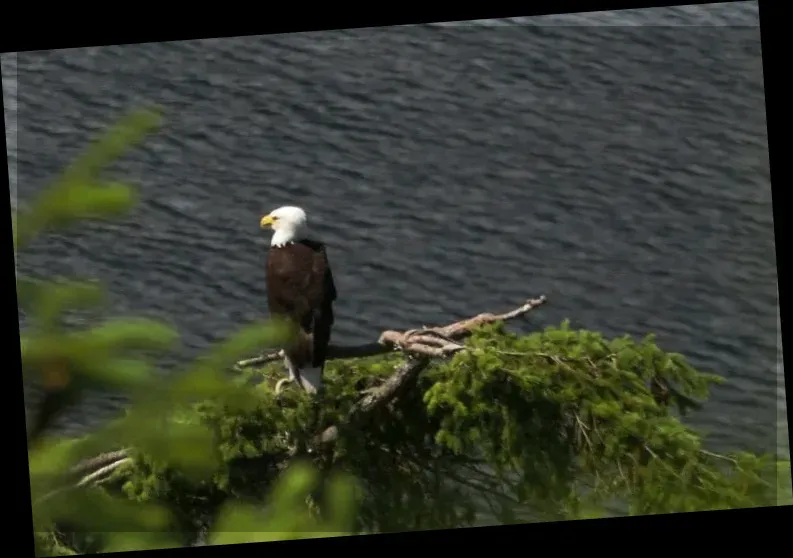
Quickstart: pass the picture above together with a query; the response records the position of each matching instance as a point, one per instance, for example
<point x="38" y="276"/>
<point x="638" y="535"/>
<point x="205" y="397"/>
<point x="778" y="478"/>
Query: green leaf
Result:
<point x="78" y="193"/>
<point x="187" y="446"/>
<point x="784" y="488"/>
<point x="123" y="542"/>
<point x="112" y="144"/>
<point x="51" y="456"/>
<point x="62" y="208"/>
<point x="48" y="300"/>
<point x="101" y="513"/>
<point x="125" y="374"/>
<point x="341" y="496"/>
<point x="128" y="334"/>
<point x="239" y="523"/>
<point x="255" y="337"/>
<point x="295" y="485"/>
<point x="286" y="516"/>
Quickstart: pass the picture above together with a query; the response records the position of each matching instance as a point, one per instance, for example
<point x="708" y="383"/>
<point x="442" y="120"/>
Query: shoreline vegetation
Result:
<point x="419" y="429"/>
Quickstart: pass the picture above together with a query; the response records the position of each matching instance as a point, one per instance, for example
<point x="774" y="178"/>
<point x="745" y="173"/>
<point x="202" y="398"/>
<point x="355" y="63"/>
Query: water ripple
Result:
<point x="622" y="172"/>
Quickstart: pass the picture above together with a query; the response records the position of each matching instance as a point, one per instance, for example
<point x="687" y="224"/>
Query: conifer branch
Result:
<point x="418" y="345"/>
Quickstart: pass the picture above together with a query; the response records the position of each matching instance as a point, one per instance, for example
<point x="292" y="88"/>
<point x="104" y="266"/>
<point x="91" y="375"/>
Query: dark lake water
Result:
<point x="618" y="166"/>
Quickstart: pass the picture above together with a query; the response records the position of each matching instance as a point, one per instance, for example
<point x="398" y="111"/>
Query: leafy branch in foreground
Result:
<point x="116" y="355"/>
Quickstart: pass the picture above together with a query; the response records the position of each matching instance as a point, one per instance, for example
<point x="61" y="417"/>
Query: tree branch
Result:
<point x="99" y="462"/>
<point x="445" y="340"/>
<point x="418" y="345"/>
<point x="375" y="398"/>
<point x="426" y="341"/>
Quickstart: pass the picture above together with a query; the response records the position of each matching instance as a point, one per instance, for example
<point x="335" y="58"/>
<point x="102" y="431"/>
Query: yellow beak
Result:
<point x="266" y="221"/>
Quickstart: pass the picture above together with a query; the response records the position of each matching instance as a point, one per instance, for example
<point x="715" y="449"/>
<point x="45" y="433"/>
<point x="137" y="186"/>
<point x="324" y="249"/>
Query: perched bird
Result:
<point x="300" y="290"/>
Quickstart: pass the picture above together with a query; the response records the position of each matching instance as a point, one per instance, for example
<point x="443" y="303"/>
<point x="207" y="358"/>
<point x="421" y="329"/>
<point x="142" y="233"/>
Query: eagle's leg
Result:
<point x="291" y="368"/>
<point x="290" y="380"/>
<point x="293" y="378"/>
<point x="315" y="414"/>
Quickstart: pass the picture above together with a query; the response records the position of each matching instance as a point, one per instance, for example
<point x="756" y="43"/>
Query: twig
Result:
<point x="622" y="473"/>
<point x="99" y="461"/>
<point x="718" y="456"/>
<point x="103" y="472"/>
<point x="583" y="429"/>
<point x="107" y="463"/>
<point x="260" y="360"/>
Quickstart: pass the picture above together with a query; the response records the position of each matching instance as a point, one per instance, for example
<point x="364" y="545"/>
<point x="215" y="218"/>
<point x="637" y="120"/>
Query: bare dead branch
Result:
<point x="375" y="398"/>
<point x="388" y="390"/>
<point x="427" y="341"/>
<point x="260" y="360"/>
<point x="99" y="461"/>
<point x="463" y="328"/>
<point x="103" y="473"/>
<point x="94" y="471"/>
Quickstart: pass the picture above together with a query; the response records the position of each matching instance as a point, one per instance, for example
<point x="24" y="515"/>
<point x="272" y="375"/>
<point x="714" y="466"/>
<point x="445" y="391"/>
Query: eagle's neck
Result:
<point x="284" y="237"/>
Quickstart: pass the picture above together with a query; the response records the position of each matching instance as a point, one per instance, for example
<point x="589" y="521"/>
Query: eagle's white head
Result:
<point x="288" y="224"/>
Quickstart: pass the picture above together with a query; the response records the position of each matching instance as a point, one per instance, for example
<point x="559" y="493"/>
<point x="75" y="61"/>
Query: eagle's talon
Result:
<point x="280" y="384"/>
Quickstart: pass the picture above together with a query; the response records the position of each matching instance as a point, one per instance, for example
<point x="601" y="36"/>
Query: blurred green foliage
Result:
<point x="116" y="355"/>
<point x="558" y="424"/>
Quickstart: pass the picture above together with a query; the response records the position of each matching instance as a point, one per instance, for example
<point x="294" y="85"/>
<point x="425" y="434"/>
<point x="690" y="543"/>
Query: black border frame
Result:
<point x="759" y="525"/>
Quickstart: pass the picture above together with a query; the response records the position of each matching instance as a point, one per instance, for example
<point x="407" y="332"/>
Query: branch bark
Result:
<point x="426" y="341"/>
<point x="418" y="345"/>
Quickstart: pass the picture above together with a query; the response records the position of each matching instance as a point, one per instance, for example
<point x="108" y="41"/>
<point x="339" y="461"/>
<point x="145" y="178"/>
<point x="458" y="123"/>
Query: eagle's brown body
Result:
<point x="300" y="289"/>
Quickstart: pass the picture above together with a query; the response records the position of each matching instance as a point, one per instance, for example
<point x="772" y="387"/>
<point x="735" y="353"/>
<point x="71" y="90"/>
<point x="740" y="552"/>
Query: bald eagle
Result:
<point x="300" y="290"/>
